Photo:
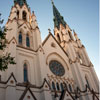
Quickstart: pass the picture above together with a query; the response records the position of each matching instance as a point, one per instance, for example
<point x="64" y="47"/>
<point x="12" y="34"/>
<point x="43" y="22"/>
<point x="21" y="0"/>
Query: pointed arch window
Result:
<point x="53" y="86"/>
<point x="24" y="15"/>
<point x="27" y="41"/>
<point x="20" y="38"/>
<point x="25" y="73"/>
<point x="57" y="85"/>
<point x="62" y="87"/>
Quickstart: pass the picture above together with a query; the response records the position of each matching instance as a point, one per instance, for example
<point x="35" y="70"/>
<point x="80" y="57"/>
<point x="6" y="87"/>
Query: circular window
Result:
<point x="56" y="68"/>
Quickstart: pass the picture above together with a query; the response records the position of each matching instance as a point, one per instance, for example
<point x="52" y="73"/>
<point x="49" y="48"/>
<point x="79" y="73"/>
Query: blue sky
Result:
<point x="81" y="15"/>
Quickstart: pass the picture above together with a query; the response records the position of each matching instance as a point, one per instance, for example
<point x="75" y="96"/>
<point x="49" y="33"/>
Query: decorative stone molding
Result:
<point x="12" y="75"/>
<point x="60" y="79"/>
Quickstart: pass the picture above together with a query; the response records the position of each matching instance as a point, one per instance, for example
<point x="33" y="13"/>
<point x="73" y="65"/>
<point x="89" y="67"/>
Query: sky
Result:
<point x="80" y="15"/>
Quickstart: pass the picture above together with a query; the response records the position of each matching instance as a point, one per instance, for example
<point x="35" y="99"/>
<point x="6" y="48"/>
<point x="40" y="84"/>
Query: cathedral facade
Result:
<point x="44" y="70"/>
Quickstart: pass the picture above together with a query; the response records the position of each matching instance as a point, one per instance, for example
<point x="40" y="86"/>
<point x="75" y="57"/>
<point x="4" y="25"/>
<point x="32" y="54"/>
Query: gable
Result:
<point x="27" y="94"/>
<point x="51" y="43"/>
<point x="24" y="25"/>
<point x="53" y="51"/>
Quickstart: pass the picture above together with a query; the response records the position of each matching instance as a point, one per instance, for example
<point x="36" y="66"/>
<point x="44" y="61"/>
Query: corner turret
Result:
<point x="62" y="31"/>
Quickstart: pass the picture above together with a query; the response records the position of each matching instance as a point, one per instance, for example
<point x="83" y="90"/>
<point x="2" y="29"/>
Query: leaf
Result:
<point x="6" y="59"/>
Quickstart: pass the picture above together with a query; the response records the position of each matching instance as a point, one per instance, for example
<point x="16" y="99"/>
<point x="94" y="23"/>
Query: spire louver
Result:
<point x="20" y="2"/>
<point x="58" y="19"/>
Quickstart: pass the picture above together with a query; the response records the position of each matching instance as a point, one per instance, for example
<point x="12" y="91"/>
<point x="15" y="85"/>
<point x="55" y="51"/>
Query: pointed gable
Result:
<point x="56" y="42"/>
<point x="46" y="85"/>
<point x="11" y="80"/>
<point x="27" y="94"/>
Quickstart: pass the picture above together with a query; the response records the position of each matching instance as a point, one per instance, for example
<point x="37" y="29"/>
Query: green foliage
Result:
<point x="4" y="59"/>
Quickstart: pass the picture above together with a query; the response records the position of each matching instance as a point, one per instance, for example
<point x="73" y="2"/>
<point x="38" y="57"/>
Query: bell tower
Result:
<point x="73" y="47"/>
<point x="62" y="31"/>
<point x="24" y="40"/>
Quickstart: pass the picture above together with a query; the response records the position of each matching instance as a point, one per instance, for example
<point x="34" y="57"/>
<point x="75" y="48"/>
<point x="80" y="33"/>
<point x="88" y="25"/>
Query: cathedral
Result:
<point x="56" y="69"/>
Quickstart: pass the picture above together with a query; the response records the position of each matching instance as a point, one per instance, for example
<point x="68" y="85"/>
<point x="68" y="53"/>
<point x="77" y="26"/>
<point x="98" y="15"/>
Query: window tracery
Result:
<point x="27" y="41"/>
<point x="56" y="68"/>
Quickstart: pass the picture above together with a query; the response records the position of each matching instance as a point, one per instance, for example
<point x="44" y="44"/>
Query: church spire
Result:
<point x="58" y="19"/>
<point x="21" y="2"/>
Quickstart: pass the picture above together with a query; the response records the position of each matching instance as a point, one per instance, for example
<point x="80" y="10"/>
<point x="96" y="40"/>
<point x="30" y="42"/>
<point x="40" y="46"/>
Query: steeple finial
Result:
<point x="58" y="19"/>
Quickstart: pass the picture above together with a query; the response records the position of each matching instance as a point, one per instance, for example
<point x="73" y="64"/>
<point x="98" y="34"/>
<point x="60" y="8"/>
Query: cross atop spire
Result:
<point x="58" y="19"/>
<point x="21" y="2"/>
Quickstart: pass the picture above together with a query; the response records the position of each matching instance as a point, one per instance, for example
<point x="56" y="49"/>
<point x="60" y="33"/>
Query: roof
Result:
<point x="50" y="34"/>
<point x="58" y="19"/>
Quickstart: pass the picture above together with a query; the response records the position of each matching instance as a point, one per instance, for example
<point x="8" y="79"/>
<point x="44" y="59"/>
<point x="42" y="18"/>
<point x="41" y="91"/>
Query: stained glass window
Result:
<point x="27" y="41"/>
<point x="25" y="73"/>
<point x="62" y="88"/>
<point x="57" y="85"/>
<point x="20" y="38"/>
<point x="56" y="68"/>
<point x="53" y="86"/>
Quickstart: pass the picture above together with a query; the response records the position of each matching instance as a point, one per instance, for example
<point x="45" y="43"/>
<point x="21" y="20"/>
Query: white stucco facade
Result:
<point x="69" y="52"/>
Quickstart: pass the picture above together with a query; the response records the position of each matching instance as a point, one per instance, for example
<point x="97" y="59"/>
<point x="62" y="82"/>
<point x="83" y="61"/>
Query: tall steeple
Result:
<point x="21" y="2"/>
<point x="58" y="19"/>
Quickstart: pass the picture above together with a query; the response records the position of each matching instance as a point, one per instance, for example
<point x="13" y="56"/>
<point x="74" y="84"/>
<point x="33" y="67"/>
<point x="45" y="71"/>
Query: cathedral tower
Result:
<point x="24" y="40"/>
<point x="75" y="50"/>
<point x="53" y="69"/>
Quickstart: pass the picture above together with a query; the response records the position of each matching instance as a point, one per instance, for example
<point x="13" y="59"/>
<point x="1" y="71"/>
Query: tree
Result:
<point x="5" y="59"/>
